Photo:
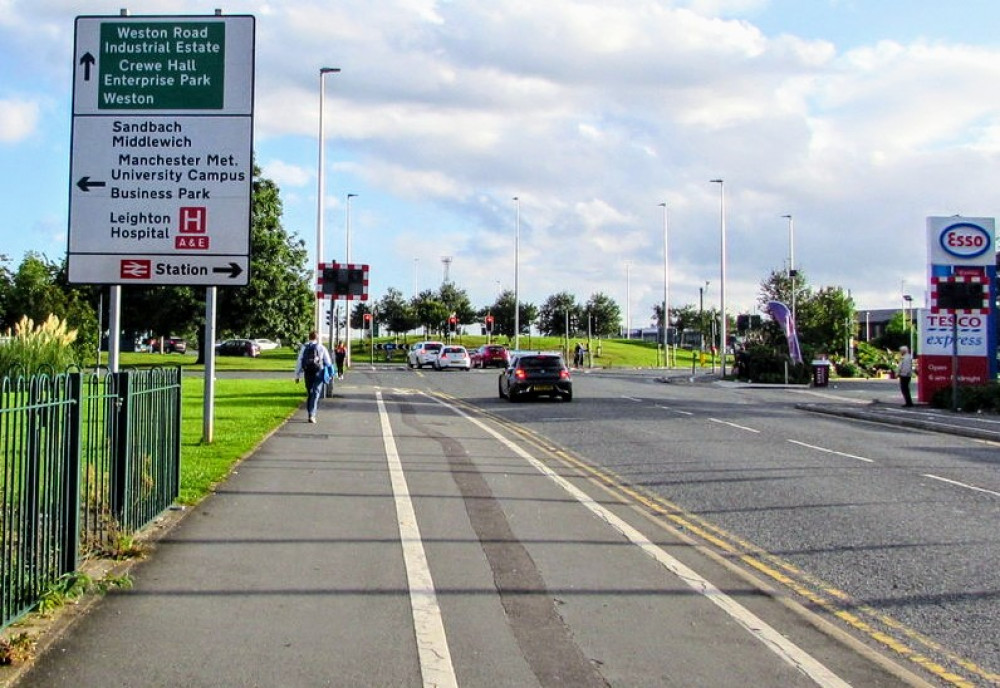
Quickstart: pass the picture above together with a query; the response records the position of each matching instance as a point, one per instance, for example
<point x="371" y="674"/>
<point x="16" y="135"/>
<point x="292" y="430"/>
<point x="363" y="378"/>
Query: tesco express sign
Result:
<point x="965" y="240"/>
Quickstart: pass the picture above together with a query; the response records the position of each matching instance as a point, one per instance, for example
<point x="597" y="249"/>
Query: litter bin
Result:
<point x="821" y="373"/>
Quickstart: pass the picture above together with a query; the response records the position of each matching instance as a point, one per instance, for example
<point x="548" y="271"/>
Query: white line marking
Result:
<point x="432" y="642"/>
<point x="771" y="638"/>
<point x="630" y="398"/>
<point x="673" y="410"/>
<point x="958" y="484"/>
<point x="831" y="451"/>
<point x="734" y="425"/>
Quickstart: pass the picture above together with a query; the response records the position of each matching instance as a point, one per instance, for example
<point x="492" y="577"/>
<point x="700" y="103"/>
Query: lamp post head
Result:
<point x="787" y="217"/>
<point x="352" y="195"/>
<point x="329" y="70"/>
<point x="715" y="181"/>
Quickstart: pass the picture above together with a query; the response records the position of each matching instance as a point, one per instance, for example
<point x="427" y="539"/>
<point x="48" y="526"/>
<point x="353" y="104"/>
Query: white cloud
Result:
<point x="287" y="174"/>
<point x="18" y="119"/>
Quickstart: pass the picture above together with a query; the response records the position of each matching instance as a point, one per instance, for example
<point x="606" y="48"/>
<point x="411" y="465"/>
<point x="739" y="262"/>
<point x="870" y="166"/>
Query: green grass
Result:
<point x="245" y="412"/>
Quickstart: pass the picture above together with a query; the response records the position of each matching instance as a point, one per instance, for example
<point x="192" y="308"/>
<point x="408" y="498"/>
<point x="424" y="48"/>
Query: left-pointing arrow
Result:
<point x="87" y="61"/>
<point x="85" y="184"/>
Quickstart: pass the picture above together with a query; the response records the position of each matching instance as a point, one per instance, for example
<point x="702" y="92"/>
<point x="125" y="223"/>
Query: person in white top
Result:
<point x="904" y="372"/>
<point x="313" y="358"/>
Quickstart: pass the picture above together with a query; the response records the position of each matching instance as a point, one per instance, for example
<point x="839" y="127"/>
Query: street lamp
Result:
<point x="323" y="71"/>
<point x="792" y="272"/>
<point x="517" y="250"/>
<point x="908" y="317"/>
<point x="628" y="299"/>
<point x="347" y="260"/>
<point x="666" y="291"/>
<point x="722" y="272"/>
<point x="416" y="265"/>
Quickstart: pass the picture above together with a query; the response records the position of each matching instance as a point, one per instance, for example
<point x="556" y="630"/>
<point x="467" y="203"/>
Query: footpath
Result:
<point x="398" y="542"/>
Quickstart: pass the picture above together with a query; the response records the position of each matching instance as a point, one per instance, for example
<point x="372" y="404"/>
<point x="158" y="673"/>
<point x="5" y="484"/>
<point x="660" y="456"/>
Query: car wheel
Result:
<point x="500" y="389"/>
<point x="513" y="396"/>
<point x="409" y="364"/>
<point x="568" y="396"/>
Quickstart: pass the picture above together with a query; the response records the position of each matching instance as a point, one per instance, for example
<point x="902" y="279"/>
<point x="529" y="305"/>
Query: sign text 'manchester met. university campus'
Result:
<point x="161" y="166"/>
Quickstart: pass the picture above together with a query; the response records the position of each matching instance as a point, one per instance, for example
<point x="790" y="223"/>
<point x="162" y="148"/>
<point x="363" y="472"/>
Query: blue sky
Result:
<point x="859" y="118"/>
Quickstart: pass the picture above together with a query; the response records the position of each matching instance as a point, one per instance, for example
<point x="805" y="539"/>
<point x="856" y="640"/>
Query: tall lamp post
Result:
<point x="347" y="306"/>
<point x="517" y="258"/>
<point x="666" y="291"/>
<point x="628" y="299"/>
<point x="723" y="335"/>
<point x="323" y="71"/>
<point x="792" y="272"/>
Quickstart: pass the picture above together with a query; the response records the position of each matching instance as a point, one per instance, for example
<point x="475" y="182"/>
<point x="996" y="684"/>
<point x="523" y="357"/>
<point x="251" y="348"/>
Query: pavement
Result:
<point x="398" y="542"/>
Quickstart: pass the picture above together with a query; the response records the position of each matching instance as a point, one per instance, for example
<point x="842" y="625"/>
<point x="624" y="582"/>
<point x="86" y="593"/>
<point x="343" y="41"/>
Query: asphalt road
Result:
<point x="891" y="532"/>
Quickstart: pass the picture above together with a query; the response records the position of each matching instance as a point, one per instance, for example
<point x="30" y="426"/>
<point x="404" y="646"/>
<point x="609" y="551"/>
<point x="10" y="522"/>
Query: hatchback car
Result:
<point x="452" y="357"/>
<point x="538" y="374"/>
<point x="237" y="347"/>
<point x="423" y="353"/>
<point x="489" y="356"/>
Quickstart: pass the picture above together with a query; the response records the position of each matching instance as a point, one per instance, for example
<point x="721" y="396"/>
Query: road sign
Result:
<point x="347" y="281"/>
<point x="161" y="162"/>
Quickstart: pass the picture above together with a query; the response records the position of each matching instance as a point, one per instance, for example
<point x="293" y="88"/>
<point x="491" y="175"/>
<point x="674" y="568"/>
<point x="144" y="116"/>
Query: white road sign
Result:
<point x="161" y="163"/>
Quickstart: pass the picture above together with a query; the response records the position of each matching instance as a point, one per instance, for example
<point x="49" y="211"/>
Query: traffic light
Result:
<point x="452" y="323"/>
<point x="368" y="319"/>
<point x="489" y="324"/>
<point x="742" y="323"/>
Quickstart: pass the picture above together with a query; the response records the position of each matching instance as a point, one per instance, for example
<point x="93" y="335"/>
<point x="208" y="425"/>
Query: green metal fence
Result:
<point x="85" y="459"/>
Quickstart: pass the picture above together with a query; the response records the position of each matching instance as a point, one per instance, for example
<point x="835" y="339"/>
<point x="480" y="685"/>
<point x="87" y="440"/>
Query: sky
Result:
<point x="859" y="118"/>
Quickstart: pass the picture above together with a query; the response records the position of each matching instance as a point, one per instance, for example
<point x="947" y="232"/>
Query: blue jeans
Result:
<point x="314" y="390"/>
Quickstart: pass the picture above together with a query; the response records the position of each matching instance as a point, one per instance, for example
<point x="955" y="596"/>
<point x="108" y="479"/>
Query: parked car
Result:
<point x="266" y="344"/>
<point x="237" y="347"/>
<point x="489" y="356"/>
<point x="423" y="353"/>
<point x="536" y="374"/>
<point x="452" y="357"/>
<point x="171" y="345"/>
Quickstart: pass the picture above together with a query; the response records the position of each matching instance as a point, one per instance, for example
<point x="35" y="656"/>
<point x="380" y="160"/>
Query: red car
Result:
<point x="489" y="356"/>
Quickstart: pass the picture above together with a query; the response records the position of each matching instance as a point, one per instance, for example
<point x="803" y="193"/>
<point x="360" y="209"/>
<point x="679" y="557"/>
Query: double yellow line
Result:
<point x="905" y="642"/>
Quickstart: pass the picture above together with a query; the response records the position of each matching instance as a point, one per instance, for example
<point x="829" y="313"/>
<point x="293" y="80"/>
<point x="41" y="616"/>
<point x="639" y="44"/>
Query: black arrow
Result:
<point x="234" y="270"/>
<point x="87" y="61"/>
<point x="85" y="184"/>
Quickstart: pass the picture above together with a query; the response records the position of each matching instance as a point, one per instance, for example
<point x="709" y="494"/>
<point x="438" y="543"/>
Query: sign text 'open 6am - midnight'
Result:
<point x="161" y="165"/>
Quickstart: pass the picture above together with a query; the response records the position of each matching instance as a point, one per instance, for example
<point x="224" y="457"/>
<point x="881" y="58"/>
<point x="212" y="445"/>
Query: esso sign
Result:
<point x="965" y="240"/>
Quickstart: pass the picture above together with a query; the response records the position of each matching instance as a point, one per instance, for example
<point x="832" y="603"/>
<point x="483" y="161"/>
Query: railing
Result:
<point x="84" y="459"/>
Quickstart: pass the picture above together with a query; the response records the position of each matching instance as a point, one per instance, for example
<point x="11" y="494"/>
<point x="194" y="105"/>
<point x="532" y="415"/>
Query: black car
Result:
<point x="237" y="347"/>
<point x="539" y="374"/>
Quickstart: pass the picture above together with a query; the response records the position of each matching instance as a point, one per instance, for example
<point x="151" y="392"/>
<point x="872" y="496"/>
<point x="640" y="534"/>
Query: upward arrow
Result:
<point x="87" y="61"/>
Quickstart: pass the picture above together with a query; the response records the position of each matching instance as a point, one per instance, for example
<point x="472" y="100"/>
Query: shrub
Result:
<point x="28" y="349"/>
<point x="847" y="369"/>
<point x="970" y="397"/>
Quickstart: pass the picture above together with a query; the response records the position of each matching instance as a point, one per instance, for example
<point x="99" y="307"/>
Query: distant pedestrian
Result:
<point x="904" y="372"/>
<point x="313" y="360"/>
<point x="340" y="354"/>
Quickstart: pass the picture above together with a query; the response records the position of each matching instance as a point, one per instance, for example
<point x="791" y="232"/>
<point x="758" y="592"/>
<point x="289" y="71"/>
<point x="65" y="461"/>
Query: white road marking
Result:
<point x="832" y="451"/>
<point x="766" y="634"/>
<point x="958" y="484"/>
<point x="673" y="410"/>
<point x="432" y="643"/>
<point x="734" y="425"/>
<point x="630" y="398"/>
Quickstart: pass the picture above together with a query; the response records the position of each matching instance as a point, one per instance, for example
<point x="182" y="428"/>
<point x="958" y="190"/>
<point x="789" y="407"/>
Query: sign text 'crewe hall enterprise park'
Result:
<point x="161" y="165"/>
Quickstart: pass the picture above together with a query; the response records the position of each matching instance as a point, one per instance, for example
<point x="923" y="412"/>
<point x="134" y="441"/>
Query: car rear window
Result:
<point x="453" y="350"/>
<point x="494" y="350"/>
<point x="432" y="347"/>
<point x="539" y="363"/>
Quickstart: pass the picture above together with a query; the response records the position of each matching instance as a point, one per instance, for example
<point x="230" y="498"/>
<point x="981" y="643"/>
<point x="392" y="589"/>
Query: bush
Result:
<point x="971" y="398"/>
<point x="847" y="369"/>
<point x="28" y="349"/>
<point x="760" y="364"/>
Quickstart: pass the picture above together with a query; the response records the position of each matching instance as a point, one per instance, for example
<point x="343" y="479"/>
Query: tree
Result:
<point x="503" y="315"/>
<point x="430" y="312"/>
<point x="278" y="301"/>
<point x="605" y="315"/>
<point x="395" y="312"/>
<point x="824" y="319"/>
<point x="554" y="313"/>
<point x="358" y="313"/>
<point x="457" y="302"/>
<point x="897" y="333"/>
<point x="778" y="287"/>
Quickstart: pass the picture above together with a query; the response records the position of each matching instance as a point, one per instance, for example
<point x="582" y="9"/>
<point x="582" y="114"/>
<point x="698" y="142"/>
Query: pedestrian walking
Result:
<point x="313" y="362"/>
<point x="904" y="372"/>
<point x="340" y="354"/>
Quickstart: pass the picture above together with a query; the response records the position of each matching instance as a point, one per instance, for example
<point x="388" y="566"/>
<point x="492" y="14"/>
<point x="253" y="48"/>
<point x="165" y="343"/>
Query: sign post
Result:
<point x="958" y="333"/>
<point x="161" y="164"/>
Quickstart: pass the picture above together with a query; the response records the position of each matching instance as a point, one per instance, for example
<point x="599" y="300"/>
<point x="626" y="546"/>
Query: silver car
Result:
<point x="423" y="353"/>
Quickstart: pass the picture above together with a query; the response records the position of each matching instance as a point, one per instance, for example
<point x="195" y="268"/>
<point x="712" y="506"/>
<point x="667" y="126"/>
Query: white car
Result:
<point x="267" y="344"/>
<point x="453" y="357"/>
<point x="423" y="353"/>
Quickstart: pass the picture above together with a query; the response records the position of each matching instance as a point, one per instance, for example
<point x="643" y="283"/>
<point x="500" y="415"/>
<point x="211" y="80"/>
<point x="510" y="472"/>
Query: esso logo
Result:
<point x="965" y="240"/>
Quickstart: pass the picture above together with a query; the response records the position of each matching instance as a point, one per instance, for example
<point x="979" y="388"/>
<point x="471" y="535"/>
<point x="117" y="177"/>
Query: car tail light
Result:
<point x="519" y="373"/>
<point x="563" y="374"/>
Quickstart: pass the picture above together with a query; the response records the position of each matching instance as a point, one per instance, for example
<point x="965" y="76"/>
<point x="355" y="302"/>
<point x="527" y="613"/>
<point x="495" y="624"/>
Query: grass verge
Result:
<point x="246" y="410"/>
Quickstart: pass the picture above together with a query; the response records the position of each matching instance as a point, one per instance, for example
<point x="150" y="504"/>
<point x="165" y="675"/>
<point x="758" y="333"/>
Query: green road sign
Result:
<point x="158" y="65"/>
